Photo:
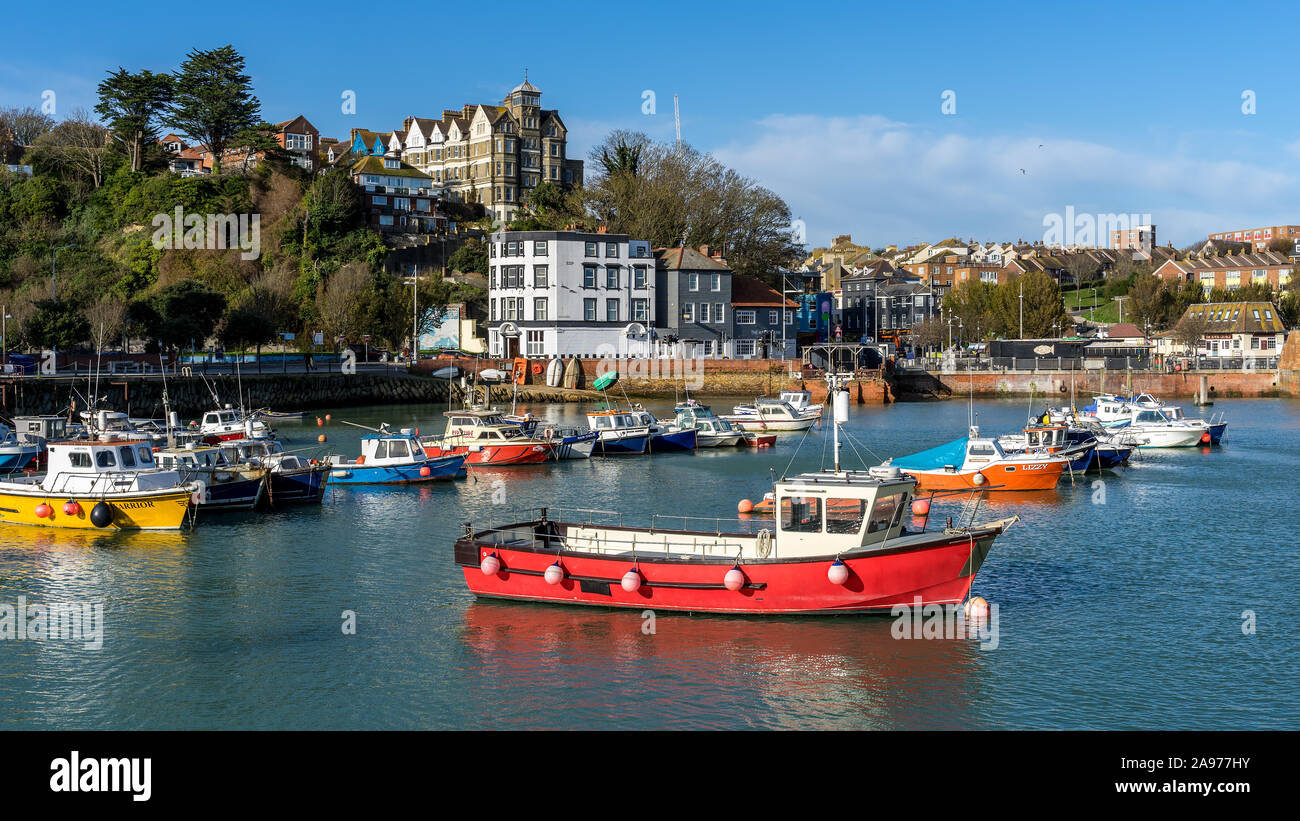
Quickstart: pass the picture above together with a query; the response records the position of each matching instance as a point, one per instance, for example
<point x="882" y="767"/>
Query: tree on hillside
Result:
<point x="213" y="100"/>
<point x="56" y="324"/>
<point x="470" y="258"/>
<point x="345" y="300"/>
<point x="671" y="196"/>
<point x="246" y="326"/>
<point x="134" y="105"/>
<point x="24" y="125"/>
<point x="333" y="203"/>
<point x="259" y="140"/>
<point x="971" y="304"/>
<point x="76" y="148"/>
<point x="192" y="305"/>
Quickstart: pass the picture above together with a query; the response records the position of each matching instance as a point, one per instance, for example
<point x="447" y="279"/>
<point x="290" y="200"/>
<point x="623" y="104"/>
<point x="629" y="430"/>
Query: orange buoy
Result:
<point x="745" y="506"/>
<point x="44" y="511"/>
<point x="321" y="438"/>
<point x="319" y="422"/>
<point x="71" y="508"/>
<point x="1205" y="438"/>
<point x="920" y="507"/>
<point x="328" y="417"/>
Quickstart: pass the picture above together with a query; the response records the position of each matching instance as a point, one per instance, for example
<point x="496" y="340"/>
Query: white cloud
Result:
<point x="892" y="182"/>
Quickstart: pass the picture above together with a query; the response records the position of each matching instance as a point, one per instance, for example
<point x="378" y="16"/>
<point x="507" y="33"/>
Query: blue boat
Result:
<point x="223" y="486"/>
<point x="1054" y="439"/>
<point x="664" y="438"/>
<point x="291" y="479"/>
<point x="15" y="453"/>
<point x="618" y="433"/>
<point x="392" y="459"/>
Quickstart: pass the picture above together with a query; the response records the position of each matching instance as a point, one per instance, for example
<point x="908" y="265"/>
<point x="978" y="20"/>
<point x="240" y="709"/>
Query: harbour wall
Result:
<point x="1182" y="385"/>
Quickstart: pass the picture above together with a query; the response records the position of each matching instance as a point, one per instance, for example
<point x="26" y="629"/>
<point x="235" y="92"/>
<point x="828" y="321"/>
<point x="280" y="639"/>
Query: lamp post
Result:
<point x="4" y="332"/>
<point x="1022" y="309"/>
<point x="1120" y="300"/>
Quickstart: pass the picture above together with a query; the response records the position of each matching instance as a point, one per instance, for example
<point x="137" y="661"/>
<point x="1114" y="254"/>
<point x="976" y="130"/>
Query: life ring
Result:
<point x="549" y="433"/>
<point x="537" y="368"/>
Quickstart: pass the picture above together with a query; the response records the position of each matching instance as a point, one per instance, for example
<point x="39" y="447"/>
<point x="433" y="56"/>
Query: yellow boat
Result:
<point x="104" y="485"/>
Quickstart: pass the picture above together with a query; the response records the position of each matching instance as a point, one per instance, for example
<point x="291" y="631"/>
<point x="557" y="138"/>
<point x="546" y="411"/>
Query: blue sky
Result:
<point x="1106" y="107"/>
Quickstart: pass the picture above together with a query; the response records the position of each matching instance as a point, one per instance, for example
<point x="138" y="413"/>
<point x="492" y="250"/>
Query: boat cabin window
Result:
<point x="210" y="419"/>
<point x="397" y="449"/>
<point x="128" y="458"/>
<point x="104" y="459"/>
<point x="145" y="455"/>
<point x="1150" y="416"/>
<point x="801" y="514"/>
<point x="845" y="515"/>
<point x="887" y="511"/>
<point x="228" y="417"/>
<point x="79" y="459"/>
<point x="602" y="422"/>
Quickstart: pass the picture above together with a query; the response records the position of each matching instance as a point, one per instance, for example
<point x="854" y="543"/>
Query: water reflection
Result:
<point x="792" y="673"/>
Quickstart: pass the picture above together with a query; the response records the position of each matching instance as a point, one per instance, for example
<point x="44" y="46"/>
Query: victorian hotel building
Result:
<point x="566" y="293"/>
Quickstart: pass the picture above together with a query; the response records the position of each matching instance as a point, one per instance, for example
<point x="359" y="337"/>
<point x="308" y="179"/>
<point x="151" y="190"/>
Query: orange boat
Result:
<point x="976" y="461"/>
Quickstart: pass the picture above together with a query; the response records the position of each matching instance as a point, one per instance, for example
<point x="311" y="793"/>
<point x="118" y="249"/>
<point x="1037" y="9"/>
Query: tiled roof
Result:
<point x="375" y="165"/>
<point x="1239" y="317"/>
<point x="687" y="259"/>
<point x="749" y="291"/>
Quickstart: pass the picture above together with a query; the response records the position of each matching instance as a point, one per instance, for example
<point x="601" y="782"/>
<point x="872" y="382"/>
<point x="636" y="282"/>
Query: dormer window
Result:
<point x="389" y="163"/>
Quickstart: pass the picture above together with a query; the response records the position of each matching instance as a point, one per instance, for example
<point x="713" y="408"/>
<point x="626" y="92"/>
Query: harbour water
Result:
<point x="1121" y="605"/>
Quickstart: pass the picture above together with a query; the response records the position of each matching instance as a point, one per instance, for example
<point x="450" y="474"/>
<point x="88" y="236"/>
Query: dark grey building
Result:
<point x="693" y="315"/>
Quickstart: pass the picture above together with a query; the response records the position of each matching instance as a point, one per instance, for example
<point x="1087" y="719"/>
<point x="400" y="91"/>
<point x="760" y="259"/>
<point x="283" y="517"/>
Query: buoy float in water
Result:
<point x="44" y="511"/>
<point x="425" y="471"/>
<point x="745" y="506"/>
<point x="977" y="609"/>
<point x="490" y="565"/>
<point x="321" y="438"/>
<point x="838" y="572"/>
<point x="1205" y="438"/>
<point x="554" y="573"/>
<point x="632" y="580"/>
<point x="735" y="579"/>
<point x="328" y="417"/>
<point x="319" y="421"/>
<point x="921" y="507"/>
<point x="71" y="508"/>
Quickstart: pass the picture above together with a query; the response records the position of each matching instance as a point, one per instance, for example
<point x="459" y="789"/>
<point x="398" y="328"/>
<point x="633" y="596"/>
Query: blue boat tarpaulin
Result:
<point x="953" y="453"/>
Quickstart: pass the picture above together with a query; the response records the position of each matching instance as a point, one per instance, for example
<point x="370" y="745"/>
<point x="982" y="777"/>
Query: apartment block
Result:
<point x="569" y="293"/>
<point x="1259" y="238"/>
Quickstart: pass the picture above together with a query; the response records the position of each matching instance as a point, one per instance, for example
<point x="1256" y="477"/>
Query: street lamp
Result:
<point x="4" y="332"/>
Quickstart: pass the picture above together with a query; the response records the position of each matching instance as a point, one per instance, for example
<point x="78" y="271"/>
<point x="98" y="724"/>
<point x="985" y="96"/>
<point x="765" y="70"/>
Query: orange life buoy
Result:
<point x="537" y="368"/>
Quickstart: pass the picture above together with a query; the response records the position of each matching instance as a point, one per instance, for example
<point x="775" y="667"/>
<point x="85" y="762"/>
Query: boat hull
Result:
<point x="939" y="572"/>
<point x="302" y="486"/>
<point x="621" y="447"/>
<point x="576" y="447"/>
<point x="1023" y="476"/>
<point x="673" y="441"/>
<point x="494" y="455"/>
<point x="131" y="511"/>
<point x="440" y="469"/>
<point x="18" y="457"/>
<point x="758" y="424"/>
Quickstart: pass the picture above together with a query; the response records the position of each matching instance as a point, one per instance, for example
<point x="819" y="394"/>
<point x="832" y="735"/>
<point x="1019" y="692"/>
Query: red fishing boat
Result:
<point x="838" y="545"/>
<point x="486" y="438"/>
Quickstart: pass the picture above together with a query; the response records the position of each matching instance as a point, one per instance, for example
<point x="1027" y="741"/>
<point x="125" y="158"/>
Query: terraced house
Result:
<point x="493" y="154"/>
<point x="1231" y="271"/>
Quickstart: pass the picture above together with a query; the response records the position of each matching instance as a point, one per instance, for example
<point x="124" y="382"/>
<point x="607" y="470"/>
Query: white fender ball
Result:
<point x="632" y="580"/>
<point x="490" y="565"/>
<point x="554" y="574"/>
<point x="734" y="580"/>
<point x="838" y="572"/>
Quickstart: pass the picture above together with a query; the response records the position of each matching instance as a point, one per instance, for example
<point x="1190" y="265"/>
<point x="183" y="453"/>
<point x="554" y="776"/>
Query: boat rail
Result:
<point x="655" y="521"/>
<point x="701" y="543"/>
<point x="101" y="483"/>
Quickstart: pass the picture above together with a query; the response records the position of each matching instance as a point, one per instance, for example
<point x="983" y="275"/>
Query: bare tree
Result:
<point x="24" y="125"/>
<point x="78" y="146"/>
<point x="105" y="317"/>
<point x="1190" y="330"/>
<point x="342" y="299"/>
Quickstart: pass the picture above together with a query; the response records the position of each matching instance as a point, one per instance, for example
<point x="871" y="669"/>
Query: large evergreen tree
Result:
<point x="133" y="105"/>
<point x="213" y="100"/>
